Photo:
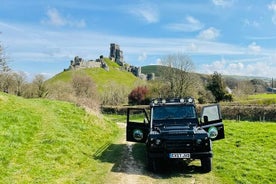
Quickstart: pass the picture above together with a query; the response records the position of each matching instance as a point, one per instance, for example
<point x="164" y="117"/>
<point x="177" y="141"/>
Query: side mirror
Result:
<point x="205" y="119"/>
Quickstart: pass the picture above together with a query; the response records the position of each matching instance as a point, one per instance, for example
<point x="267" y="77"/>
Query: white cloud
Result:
<point x="252" y="23"/>
<point x="189" y="25"/>
<point x="242" y="68"/>
<point x="272" y="7"/>
<point x="223" y="3"/>
<point x="254" y="47"/>
<point x="146" y="12"/>
<point x="158" y="61"/>
<point x="142" y="57"/>
<point x="56" y="19"/>
<point x="192" y="47"/>
<point x="209" y="34"/>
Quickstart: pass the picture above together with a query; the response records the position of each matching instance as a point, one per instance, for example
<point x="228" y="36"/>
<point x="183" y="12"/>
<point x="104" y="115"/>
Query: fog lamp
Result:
<point x="198" y="141"/>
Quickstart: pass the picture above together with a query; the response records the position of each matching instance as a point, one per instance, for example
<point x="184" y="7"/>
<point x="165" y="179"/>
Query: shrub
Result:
<point x="138" y="96"/>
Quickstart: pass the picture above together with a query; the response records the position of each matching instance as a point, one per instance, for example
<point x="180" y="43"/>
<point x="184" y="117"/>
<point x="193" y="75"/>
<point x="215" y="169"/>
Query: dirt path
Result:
<point x="133" y="171"/>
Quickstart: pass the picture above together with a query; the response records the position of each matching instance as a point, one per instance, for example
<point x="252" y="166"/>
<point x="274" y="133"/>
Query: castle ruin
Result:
<point x="116" y="55"/>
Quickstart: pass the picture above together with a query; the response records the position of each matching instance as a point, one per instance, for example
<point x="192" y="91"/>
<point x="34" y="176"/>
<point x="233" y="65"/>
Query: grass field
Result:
<point x="247" y="154"/>
<point x="45" y="141"/>
<point x="258" y="99"/>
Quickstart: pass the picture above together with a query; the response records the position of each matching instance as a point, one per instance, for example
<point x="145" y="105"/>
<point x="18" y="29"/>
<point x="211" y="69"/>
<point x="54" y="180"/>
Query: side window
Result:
<point x="212" y="113"/>
<point x="138" y="116"/>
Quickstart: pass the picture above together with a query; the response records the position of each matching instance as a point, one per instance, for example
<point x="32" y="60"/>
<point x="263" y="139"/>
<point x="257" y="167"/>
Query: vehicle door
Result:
<point x="211" y="121"/>
<point x="138" y="127"/>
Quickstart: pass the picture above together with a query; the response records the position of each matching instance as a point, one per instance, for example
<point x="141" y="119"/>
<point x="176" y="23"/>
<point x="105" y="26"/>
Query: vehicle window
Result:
<point x="212" y="112"/>
<point x="137" y="116"/>
<point x="173" y="112"/>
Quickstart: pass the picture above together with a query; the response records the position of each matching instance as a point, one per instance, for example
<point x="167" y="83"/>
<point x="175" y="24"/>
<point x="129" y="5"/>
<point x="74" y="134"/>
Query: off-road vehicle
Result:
<point x="172" y="129"/>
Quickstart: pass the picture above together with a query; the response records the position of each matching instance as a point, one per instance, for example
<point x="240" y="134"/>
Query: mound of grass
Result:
<point x="45" y="141"/>
<point x="247" y="154"/>
<point x="101" y="77"/>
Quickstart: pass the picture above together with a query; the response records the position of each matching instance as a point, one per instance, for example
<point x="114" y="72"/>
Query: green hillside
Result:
<point x="156" y="69"/>
<point x="44" y="141"/>
<point x="102" y="77"/>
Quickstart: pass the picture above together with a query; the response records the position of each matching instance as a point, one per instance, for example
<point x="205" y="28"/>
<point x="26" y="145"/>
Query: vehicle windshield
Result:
<point x="174" y="112"/>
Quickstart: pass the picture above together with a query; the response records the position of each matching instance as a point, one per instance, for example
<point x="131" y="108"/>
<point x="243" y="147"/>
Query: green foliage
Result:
<point x="156" y="69"/>
<point x="247" y="154"/>
<point x="44" y="141"/>
<point x="218" y="88"/>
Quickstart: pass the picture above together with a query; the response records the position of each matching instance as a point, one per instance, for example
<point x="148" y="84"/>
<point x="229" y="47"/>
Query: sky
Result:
<point x="231" y="37"/>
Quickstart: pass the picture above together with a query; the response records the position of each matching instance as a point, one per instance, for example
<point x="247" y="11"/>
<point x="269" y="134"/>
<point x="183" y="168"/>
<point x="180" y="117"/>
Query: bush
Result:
<point x="115" y="94"/>
<point x="81" y="91"/>
<point x="249" y="112"/>
<point x="138" y="96"/>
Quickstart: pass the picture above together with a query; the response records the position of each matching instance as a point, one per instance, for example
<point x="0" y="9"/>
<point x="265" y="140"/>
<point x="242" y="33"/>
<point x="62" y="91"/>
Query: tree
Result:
<point x="177" y="74"/>
<point x="39" y="84"/>
<point x="114" y="94"/>
<point x="3" y="61"/>
<point x="218" y="88"/>
<point x="5" y="75"/>
<point x="83" y="85"/>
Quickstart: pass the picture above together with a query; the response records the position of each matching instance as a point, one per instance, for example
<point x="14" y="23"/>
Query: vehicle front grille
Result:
<point x="179" y="145"/>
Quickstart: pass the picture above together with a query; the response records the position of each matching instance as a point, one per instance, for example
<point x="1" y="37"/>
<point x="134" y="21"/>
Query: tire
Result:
<point x="151" y="164"/>
<point x="206" y="164"/>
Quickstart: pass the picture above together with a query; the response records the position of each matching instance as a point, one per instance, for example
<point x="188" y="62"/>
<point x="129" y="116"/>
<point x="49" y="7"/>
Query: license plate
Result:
<point x="180" y="155"/>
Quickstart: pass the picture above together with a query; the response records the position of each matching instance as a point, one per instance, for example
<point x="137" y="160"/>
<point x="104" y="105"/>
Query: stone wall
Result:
<point x="78" y="63"/>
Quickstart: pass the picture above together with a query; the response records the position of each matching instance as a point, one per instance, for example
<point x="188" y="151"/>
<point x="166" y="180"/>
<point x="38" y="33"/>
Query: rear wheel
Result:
<point x="206" y="164"/>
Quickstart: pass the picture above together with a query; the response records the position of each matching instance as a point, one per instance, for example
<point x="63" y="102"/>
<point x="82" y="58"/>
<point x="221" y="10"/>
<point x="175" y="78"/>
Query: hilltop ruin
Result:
<point x="116" y="55"/>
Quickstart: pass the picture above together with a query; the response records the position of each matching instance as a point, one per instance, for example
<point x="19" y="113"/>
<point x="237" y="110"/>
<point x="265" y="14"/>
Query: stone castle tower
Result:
<point x="116" y="54"/>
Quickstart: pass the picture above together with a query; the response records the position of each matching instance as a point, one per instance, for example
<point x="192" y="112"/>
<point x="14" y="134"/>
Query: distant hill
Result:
<point x="158" y="68"/>
<point x="101" y="76"/>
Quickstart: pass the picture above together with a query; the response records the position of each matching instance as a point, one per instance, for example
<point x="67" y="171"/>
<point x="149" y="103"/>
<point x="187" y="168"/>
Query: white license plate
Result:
<point x="180" y="155"/>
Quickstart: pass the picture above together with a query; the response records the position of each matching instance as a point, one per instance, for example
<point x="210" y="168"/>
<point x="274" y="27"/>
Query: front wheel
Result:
<point x="206" y="164"/>
<point x="151" y="164"/>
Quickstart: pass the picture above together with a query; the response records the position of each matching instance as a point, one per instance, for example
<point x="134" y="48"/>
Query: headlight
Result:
<point x="213" y="132"/>
<point x="157" y="141"/>
<point x="190" y="100"/>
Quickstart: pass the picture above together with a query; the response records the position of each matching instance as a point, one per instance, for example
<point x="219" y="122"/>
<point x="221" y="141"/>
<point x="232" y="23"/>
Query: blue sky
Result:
<point x="236" y="37"/>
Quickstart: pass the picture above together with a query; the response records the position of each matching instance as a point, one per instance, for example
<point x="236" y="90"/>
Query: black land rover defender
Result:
<point x="171" y="129"/>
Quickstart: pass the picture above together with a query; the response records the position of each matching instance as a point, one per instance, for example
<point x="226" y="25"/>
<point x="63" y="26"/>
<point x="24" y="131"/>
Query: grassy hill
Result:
<point x="44" y="141"/>
<point x="101" y="77"/>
